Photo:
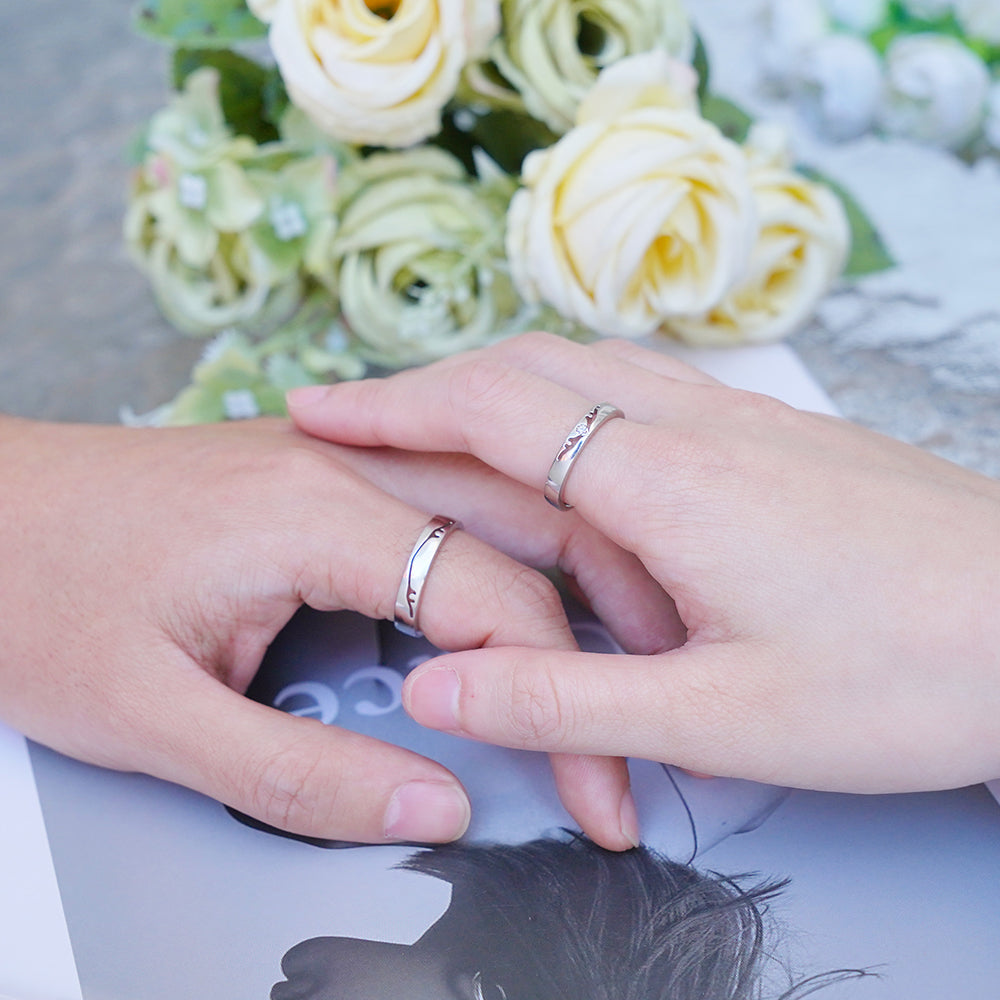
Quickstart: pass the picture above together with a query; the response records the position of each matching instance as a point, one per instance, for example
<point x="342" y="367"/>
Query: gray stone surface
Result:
<point x="915" y="354"/>
<point x="79" y="333"/>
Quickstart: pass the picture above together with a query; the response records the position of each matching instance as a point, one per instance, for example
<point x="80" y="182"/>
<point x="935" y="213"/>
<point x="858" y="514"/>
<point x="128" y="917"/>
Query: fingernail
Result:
<point x="432" y="698"/>
<point x="306" y="395"/>
<point x="427" y="812"/>
<point x="628" y="818"/>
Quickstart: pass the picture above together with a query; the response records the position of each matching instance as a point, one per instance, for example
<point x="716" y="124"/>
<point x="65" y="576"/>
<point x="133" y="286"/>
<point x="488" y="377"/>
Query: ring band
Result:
<point x="562" y="464"/>
<point x="411" y="587"/>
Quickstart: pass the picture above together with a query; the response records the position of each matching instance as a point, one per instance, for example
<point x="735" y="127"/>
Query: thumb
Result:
<point x="707" y="708"/>
<point x="298" y="774"/>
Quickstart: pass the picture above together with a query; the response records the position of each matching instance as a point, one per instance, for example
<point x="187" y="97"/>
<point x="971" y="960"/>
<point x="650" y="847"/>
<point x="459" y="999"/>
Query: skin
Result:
<point x="838" y="590"/>
<point x="143" y="573"/>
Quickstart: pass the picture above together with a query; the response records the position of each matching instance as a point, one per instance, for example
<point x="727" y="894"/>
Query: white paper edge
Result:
<point x="36" y="959"/>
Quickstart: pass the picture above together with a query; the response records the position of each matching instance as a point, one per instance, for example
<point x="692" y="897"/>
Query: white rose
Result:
<point x="980" y="19"/>
<point x="482" y="25"/>
<point x="634" y="217"/>
<point x="551" y="51"/>
<point x="791" y="29"/>
<point x="936" y="90"/>
<point x="862" y="16"/>
<point x="653" y="79"/>
<point x="801" y="250"/>
<point x="929" y="10"/>
<point x="376" y="80"/>
<point x="839" y="86"/>
<point x="263" y="10"/>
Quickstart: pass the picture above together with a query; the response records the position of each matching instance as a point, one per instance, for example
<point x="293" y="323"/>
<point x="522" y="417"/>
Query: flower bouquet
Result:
<point x="342" y="185"/>
<point x="926" y="70"/>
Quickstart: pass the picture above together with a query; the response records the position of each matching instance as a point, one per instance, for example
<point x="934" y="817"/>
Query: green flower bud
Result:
<point x="420" y="258"/>
<point x="551" y="51"/>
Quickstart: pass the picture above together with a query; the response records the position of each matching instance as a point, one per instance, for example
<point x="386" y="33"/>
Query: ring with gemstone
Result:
<point x="562" y="464"/>
<point x="407" y="612"/>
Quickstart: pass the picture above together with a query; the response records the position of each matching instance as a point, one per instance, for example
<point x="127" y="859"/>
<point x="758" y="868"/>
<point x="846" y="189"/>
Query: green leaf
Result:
<point x="198" y="23"/>
<point x="507" y="137"/>
<point x="730" y="118"/>
<point x="275" y="97"/>
<point x="455" y="141"/>
<point x="901" y="21"/>
<point x="701" y="67"/>
<point x="245" y="89"/>
<point x="869" y="254"/>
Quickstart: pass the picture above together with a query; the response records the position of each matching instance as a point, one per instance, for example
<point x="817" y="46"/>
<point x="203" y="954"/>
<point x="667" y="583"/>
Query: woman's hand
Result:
<point x="839" y="590"/>
<point x="143" y="573"/>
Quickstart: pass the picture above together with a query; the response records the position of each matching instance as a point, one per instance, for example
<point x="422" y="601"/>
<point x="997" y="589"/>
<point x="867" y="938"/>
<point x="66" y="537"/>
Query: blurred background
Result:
<point x="79" y="333"/>
<point x="914" y="353"/>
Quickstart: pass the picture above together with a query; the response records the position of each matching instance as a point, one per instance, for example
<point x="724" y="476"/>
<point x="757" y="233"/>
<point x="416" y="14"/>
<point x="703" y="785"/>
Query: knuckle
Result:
<point x="756" y="409"/>
<point x="535" y="593"/>
<point x="282" y="788"/>
<point x="618" y="347"/>
<point x="528" y="596"/>
<point x="477" y="388"/>
<point x="532" y="345"/>
<point x="537" y="714"/>
<point x="299" y="469"/>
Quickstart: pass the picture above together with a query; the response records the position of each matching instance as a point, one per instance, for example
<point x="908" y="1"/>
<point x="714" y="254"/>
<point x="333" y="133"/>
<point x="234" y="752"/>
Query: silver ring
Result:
<point x="411" y="587"/>
<point x="562" y="464"/>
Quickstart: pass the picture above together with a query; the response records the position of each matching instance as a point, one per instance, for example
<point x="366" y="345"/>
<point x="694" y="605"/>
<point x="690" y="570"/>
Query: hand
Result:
<point x="143" y="573"/>
<point x="839" y="589"/>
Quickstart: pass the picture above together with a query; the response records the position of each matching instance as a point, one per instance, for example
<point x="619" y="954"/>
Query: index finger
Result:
<point x="511" y="419"/>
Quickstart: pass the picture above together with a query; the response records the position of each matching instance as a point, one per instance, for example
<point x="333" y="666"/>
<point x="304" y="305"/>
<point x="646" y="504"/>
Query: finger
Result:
<point x="729" y="709"/>
<point x="344" y="543"/>
<point x="709" y="709"/>
<point x="449" y="389"/>
<point x="512" y="420"/>
<point x="507" y="515"/>
<point x="473" y="596"/>
<point x="298" y="774"/>
<point x="597" y="793"/>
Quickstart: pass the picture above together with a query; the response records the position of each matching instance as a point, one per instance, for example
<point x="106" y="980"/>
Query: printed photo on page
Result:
<point x="168" y="894"/>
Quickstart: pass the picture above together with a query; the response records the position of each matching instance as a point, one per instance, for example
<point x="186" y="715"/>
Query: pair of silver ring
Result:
<point x="410" y="593"/>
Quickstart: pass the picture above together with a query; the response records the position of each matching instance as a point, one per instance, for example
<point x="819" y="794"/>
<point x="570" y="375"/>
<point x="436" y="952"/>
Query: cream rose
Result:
<point x="801" y="250"/>
<point x="551" y="51"/>
<point x="377" y="74"/>
<point x="633" y="216"/>
<point x="263" y="10"/>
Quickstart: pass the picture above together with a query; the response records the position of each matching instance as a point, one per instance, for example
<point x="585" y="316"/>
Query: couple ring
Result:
<point x="410" y="593"/>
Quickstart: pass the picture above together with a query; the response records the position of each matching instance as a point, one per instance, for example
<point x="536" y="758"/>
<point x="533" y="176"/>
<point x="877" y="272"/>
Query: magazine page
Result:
<point x="168" y="894"/>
